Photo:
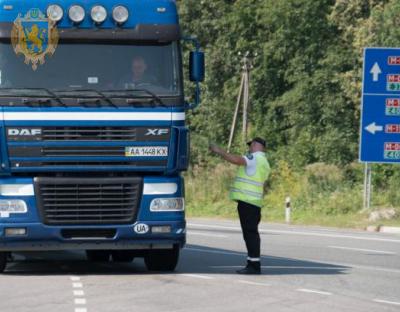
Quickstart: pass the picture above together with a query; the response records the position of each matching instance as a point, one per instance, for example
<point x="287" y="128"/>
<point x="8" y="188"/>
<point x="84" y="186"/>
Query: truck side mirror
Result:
<point x="196" y="66"/>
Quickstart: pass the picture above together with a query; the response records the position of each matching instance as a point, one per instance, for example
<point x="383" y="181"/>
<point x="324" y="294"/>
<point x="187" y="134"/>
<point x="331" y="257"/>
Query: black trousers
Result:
<point x="250" y="217"/>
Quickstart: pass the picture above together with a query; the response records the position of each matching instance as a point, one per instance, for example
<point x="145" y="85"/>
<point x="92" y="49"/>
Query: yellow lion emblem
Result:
<point x="33" y="40"/>
<point x="34" y="36"/>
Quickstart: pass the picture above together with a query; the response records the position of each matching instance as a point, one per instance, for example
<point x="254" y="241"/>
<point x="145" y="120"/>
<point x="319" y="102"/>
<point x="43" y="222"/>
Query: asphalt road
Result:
<point x="304" y="269"/>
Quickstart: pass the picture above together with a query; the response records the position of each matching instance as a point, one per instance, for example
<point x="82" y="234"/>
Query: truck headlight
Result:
<point x="167" y="204"/>
<point x="98" y="14"/>
<point x="13" y="206"/>
<point x="120" y="14"/>
<point x="55" y="12"/>
<point x="16" y="190"/>
<point x="76" y="13"/>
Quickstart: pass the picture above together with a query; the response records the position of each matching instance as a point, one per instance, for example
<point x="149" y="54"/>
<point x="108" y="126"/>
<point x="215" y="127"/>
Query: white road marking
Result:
<point x="253" y="283"/>
<point x="80" y="301"/>
<point x="366" y="250"/>
<point x="198" y="276"/>
<point x="314" y="291"/>
<point x="205" y="234"/>
<point x="215" y="251"/>
<point x="340" y="266"/>
<point x="276" y="267"/>
<point x="386" y="301"/>
<point x="75" y="278"/>
<point x="77" y="285"/>
<point x="298" y="233"/>
<point x="79" y="293"/>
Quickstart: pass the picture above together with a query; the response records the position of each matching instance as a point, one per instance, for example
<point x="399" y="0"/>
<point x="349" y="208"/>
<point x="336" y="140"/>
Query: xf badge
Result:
<point x="156" y="131"/>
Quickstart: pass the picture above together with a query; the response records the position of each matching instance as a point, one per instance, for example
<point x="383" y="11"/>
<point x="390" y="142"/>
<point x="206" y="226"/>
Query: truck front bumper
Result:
<point x="42" y="237"/>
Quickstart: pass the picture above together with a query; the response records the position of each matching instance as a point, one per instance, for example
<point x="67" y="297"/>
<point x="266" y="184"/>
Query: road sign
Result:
<point x="380" y="108"/>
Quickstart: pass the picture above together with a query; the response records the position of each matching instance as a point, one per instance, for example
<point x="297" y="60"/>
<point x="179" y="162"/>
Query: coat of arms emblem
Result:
<point x="34" y="36"/>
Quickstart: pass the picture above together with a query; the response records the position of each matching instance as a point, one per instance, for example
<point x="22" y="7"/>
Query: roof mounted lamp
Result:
<point x="76" y="14"/>
<point x="98" y="14"/>
<point x="120" y="14"/>
<point x="55" y="12"/>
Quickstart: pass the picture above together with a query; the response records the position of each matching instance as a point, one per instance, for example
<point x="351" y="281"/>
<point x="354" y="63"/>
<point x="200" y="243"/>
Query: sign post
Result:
<point x="380" y="111"/>
<point x="367" y="186"/>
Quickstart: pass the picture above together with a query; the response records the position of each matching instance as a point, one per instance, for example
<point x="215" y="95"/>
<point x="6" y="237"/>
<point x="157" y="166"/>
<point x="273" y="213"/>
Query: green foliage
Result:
<point x="306" y="82"/>
<point x="323" y="177"/>
<point x="207" y="193"/>
<point x="321" y="194"/>
<point x="305" y="91"/>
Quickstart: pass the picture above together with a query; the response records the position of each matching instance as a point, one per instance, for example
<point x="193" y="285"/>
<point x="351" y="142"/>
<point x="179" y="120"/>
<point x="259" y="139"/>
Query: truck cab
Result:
<point x="92" y="129"/>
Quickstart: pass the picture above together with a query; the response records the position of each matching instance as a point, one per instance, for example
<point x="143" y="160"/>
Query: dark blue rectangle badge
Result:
<point x="380" y="106"/>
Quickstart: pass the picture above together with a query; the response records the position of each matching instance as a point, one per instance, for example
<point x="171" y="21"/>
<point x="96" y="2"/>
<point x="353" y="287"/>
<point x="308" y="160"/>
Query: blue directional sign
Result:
<point x="380" y="108"/>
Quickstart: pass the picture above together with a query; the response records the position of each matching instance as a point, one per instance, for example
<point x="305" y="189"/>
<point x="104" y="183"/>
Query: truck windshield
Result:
<point x="102" y="67"/>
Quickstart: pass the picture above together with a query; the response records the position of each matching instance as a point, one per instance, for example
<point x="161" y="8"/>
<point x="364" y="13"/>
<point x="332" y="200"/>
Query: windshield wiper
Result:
<point x="32" y="101"/>
<point x="98" y="93"/>
<point x="40" y="102"/>
<point x="155" y="97"/>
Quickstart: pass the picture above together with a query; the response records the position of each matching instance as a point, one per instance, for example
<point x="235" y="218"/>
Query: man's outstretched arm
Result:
<point x="233" y="159"/>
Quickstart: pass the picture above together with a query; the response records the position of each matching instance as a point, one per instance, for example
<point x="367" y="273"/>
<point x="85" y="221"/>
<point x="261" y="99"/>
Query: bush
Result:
<point x="207" y="190"/>
<point x="354" y="173"/>
<point x="323" y="177"/>
<point x="321" y="193"/>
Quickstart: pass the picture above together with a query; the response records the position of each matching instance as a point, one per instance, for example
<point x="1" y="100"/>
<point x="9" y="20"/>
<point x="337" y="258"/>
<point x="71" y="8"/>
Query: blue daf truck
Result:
<point x="92" y="129"/>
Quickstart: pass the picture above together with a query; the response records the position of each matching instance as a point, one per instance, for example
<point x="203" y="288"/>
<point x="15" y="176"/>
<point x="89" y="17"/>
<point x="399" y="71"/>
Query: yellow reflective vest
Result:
<point x="250" y="189"/>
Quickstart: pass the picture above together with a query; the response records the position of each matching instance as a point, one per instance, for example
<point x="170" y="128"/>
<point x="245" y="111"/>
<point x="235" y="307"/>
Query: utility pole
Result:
<point x="243" y="96"/>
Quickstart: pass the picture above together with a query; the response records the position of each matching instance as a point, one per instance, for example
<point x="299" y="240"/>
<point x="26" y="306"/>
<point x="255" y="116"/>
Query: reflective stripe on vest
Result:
<point x="248" y="181"/>
<point x="254" y="194"/>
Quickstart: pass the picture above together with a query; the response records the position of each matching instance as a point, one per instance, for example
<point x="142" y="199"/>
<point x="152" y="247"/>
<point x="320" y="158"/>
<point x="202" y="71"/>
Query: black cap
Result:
<point x="258" y="140"/>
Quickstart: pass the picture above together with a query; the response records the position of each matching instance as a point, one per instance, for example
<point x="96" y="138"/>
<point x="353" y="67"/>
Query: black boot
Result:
<point x="253" y="267"/>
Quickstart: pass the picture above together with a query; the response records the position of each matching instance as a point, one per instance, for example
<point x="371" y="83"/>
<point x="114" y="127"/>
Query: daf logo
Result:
<point x="24" y="132"/>
<point x="156" y="131"/>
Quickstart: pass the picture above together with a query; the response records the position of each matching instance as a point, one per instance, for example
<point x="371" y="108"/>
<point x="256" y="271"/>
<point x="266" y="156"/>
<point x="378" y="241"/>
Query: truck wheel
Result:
<point x="98" y="255"/>
<point x="3" y="261"/>
<point x="122" y="255"/>
<point x="162" y="260"/>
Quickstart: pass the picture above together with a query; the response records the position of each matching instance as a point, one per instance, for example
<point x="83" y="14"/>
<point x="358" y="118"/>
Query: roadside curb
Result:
<point x="383" y="229"/>
<point x="389" y="229"/>
<point x="372" y="228"/>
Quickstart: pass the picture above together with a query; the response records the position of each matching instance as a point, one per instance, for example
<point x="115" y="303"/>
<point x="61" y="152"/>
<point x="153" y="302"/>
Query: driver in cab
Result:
<point x="139" y="75"/>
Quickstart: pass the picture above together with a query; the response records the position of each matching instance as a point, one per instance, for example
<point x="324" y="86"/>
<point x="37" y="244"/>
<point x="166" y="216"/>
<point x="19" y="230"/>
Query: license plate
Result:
<point x="146" y="151"/>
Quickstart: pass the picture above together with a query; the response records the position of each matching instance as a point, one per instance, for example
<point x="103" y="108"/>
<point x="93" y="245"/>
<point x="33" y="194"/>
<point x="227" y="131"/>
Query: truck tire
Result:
<point x="3" y="261"/>
<point x="122" y="255"/>
<point x="98" y="255"/>
<point x="162" y="260"/>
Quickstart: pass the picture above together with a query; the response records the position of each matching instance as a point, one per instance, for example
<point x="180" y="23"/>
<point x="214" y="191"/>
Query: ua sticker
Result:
<point x="34" y="36"/>
<point x="141" y="228"/>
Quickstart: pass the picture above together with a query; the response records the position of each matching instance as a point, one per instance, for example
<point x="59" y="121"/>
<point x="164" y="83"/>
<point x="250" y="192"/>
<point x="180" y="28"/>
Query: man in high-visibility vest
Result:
<point x="248" y="191"/>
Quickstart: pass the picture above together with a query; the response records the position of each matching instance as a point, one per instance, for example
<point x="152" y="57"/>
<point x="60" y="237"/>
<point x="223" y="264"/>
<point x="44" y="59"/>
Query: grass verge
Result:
<point x="322" y="195"/>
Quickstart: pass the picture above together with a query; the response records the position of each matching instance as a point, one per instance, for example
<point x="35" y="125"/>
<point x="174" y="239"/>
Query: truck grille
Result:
<point x="74" y="201"/>
<point x="65" y="151"/>
<point x="90" y="164"/>
<point x="89" y="133"/>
